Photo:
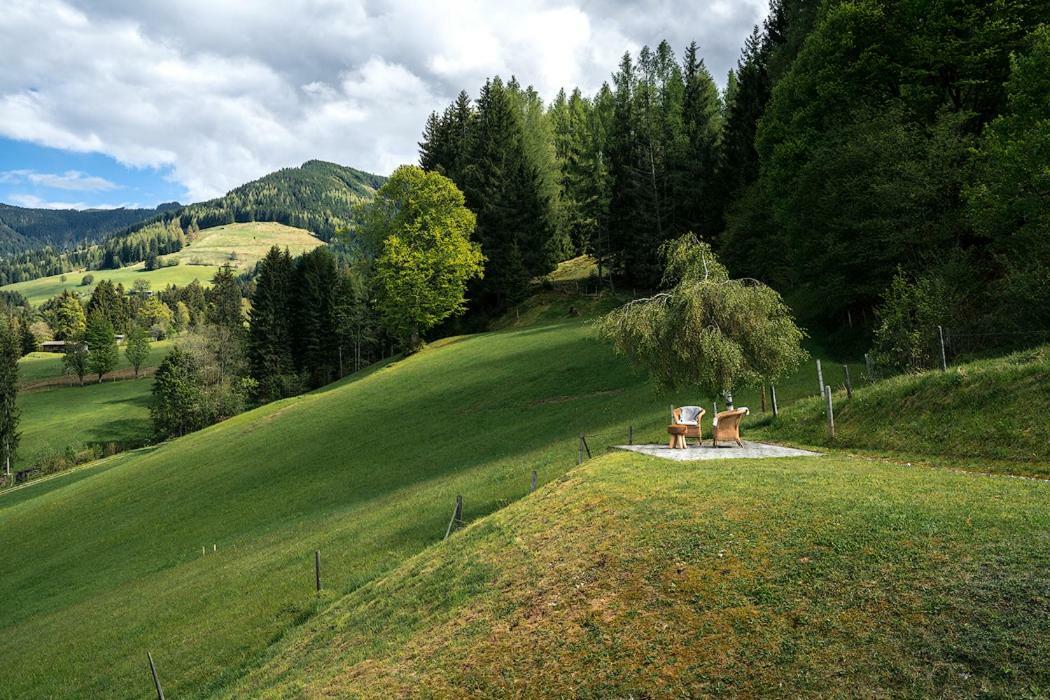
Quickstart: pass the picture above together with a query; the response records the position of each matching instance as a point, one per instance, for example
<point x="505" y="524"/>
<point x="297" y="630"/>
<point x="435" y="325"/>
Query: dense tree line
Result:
<point x="311" y="322"/>
<point x="499" y="151"/>
<point x="615" y="175"/>
<point x="876" y="149"/>
<point x="64" y="227"/>
<point x="855" y="141"/>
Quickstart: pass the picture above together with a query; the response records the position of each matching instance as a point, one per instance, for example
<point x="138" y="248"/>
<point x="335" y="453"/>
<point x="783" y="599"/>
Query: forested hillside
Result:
<point x="44" y="231"/>
<point x="318" y="196"/>
<point x="856" y="142"/>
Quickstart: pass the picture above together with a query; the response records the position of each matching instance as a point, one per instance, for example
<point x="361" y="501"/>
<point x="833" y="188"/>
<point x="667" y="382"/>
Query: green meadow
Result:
<point x="40" y="290"/>
<point x="205" y="543"/>
<point x="43" y="367"/>
<point x="240" y="245"/>
<point x="633" y="576"/>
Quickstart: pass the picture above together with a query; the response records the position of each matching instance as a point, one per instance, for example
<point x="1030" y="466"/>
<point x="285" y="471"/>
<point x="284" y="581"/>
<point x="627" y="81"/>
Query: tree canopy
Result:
<point x="706" y="330"/>
<point x="419" y="230"/>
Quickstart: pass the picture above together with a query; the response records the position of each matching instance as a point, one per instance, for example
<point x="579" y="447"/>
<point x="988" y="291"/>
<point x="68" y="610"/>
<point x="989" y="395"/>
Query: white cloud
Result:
<point x="69" y="180"/>
<point x="222" y="92"/>
<point x="33" y="202"/>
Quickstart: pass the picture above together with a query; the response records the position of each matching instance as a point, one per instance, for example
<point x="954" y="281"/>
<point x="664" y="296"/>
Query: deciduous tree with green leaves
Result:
<point x="102" y="345"/>
<point x="137" y="347"/>
<point x="419" y="231"/>
<point x="706" y="330"/>
<point x="75" y="357"/>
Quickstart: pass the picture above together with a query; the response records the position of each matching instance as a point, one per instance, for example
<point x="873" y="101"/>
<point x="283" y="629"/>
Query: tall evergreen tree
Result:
<point x="9" y="414"/>
<point x="269" y="343"/>
<point x="315" y="284"/>
<point x="702" y="114"/>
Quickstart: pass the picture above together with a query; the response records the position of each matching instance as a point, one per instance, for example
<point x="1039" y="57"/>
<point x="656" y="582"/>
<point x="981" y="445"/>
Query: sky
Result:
<point x="109" y="103"/>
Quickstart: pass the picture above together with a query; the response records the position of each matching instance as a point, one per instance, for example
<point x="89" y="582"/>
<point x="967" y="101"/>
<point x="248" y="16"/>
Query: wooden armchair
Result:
<point x="727" y="426"/>
<point x="692" y="430"/>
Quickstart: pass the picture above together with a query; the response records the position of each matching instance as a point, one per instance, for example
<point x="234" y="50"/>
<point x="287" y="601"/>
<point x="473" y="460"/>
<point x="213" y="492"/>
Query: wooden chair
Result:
<point x="727" y="426"/>
<point x="691" y="430"/>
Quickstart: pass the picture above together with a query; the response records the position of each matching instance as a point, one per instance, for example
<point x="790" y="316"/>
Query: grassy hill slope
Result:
<point x="243" y="245"/>
<point x="638" y="577"/>
<point x="240" y="245"/>
<point x="365" y="470"/>
<point x="108" y="562"/>
<point x="990" y="409"/>
<point x="41" y="289"/>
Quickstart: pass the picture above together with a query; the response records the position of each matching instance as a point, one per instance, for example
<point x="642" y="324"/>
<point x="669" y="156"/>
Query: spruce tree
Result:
<point x="316" y="348"/>
<point x="269" y="342"/>
<point x="9" y="414"/>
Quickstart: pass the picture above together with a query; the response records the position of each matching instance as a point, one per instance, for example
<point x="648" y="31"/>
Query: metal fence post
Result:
<point x="317" y="569"/>
<point x="820" y="378"/>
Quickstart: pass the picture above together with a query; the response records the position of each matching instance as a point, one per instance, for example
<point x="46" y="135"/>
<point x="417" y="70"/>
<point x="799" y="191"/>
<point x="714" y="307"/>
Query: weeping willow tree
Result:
<point x="706" y="331"/>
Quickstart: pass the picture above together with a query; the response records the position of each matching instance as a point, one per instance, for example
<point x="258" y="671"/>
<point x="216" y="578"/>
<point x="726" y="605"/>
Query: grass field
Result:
<point x="993" y="409"/>
<point x="40" y="290"/>
<point x="242" y="245"/>
<point x="111" y="412"/>
<point x="366" y="471"/>
<point x="198" y="261"/>
<point x="637" y="577"/>
<point x="40" y="367"/>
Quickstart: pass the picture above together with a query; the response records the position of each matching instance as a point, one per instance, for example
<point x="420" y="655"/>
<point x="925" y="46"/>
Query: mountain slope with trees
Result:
<point x="318" y="196"/>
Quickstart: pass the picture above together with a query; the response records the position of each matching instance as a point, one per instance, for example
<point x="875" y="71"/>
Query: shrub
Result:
<point x="906" y="335"/>
<point x="87" y="280"/>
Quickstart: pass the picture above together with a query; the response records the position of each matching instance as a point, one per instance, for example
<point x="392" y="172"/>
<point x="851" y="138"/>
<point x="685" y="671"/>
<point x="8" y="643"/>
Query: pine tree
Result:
<point x="224" y="300"/>
<point x="10" y="416"/>
<point x="313" y="298"/>
<point x="702" y="114"/>
<point x="514" y="224"/>
<point x="269" y="342"/>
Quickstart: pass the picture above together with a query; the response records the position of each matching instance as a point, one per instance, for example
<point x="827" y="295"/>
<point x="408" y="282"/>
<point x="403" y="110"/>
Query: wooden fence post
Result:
<point x="579" y="449"/>
<point x="849" y="384"/>
<point x="831" y="414"/>
<point x="457" y="516"/>
<point x="317" y="569"/>
<point x="532" y="486"/>
<point x="773" y="399"/>
<point x="763" y="398"/>
<point x="630" y="435"/>
<point x="944" y="358"/>
<point x="156" y="679"/>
